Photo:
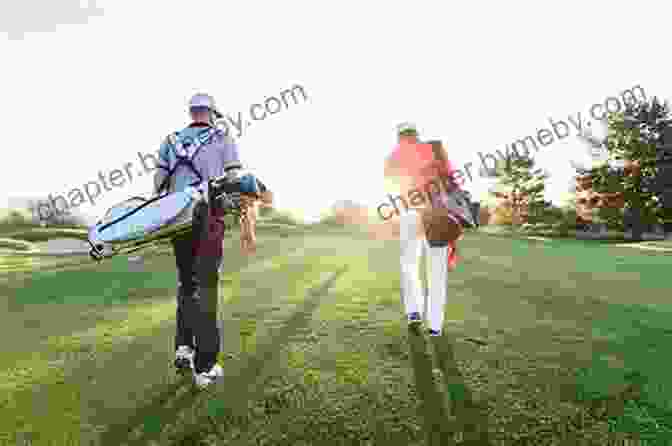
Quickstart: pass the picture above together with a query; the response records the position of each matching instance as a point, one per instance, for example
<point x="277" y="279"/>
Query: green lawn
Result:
<point x="546" y="341"/>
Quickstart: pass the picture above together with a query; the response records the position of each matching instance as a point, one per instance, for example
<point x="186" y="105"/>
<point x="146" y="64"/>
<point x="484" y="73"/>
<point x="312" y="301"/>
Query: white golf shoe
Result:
<point x="184" y="359"/>
<point x="204" y="379"/>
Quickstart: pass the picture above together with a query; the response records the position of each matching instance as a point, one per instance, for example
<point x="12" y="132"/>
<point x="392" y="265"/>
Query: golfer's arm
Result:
<point x="397" y="180"/>
<point x="392" y="168"/>
<point x="391" y="174"/>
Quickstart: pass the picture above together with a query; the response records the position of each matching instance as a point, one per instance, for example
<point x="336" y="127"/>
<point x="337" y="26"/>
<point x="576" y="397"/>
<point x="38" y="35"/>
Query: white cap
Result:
<point x="204" y="100"/>
<point x="406" y="126"/>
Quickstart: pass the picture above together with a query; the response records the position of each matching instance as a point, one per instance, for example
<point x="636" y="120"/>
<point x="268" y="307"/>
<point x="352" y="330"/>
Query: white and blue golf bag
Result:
<point x="138" y="223"/>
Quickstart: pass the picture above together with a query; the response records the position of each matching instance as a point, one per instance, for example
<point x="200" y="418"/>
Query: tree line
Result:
<point x="637" y="169"/>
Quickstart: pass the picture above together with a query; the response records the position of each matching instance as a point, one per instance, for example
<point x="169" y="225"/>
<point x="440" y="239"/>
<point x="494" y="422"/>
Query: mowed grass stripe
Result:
<point x="529" y="293"/>
<point x="581" y="257"/>
<point x="129" y="320"/>
<point x="251" y="302"/>
<point x="606" y="305"/>
<point x="355" y="352"/>
<point x="242" y="378"/>
<point x="47" y="367"/>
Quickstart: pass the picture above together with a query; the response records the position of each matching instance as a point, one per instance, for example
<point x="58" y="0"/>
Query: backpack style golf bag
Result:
<point x="451" y="212"/>
<point x="138" y="223"/>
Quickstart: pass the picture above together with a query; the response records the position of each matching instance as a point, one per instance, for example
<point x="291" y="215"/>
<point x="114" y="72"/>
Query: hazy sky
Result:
<point x="87" y="87"/>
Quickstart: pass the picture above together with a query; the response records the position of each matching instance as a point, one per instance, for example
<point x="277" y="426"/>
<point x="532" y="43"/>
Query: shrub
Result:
<point x="43" y="235"/>
<point x="331" y="220"/>
<point x="15" y="219"/>
<point x="612" y="217"/>
<point x="18" y="245"/>
<point x="283" y="218"/>
<point x="502" y="215"/>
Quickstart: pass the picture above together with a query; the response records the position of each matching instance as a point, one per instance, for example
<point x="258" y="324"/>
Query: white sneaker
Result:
<point x="184" y="359"/>
<point x="204" y="379"/>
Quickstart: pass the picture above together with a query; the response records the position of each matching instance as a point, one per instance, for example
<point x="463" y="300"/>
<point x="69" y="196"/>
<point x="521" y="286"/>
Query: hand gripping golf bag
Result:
<point x="451" y="210"/>
<point x="138" y="223"/>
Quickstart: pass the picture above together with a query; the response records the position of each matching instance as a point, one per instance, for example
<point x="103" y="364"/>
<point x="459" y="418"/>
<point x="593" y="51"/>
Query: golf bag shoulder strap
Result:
<point x="128" y="214"/>
<point x="175" y="143"/>
<point x="438" y="152"/>
<point x="441" y="157"/>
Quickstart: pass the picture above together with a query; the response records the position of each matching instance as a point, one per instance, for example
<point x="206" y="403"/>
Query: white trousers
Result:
<point x="413" y="244"/>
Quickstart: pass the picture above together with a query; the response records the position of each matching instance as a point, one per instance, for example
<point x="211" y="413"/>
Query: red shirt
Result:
<point x="417" y="161"/>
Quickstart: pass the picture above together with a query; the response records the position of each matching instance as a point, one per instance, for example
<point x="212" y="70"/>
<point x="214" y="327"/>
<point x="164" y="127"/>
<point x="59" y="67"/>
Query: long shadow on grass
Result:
<point x="467" y="416"/>
<point x="470" y="417"/>
<point x="153" y="414"/>
<point x="156" y="412"/>
<point x="242" y="384"/>
<point x="432" y="409"/>
<point x="116" y="432"/>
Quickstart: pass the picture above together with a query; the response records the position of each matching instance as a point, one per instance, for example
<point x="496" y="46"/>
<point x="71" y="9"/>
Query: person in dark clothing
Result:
<point x="186" y="158"/>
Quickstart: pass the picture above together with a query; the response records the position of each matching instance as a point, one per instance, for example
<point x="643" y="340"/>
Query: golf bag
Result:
<point x="138" y="223"/>
<point x="445" y="222"/>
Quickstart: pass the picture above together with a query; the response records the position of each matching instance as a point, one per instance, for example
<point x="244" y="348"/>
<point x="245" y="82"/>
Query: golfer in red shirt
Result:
<point x="412" y="165"/>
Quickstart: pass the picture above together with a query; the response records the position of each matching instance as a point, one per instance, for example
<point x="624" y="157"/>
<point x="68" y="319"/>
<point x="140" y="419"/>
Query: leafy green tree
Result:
<point x="637" y="138"/>
<point x="501" y="168"/>
<point x="607" y="179"/>
<point x="604" y="177"/>
<point x="661" y="183"/>
<point x="527" y="183"/>
<point x="14" y="218"/>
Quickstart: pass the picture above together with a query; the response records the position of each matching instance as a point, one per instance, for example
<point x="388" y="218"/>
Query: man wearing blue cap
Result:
<point x="188" y="157"/>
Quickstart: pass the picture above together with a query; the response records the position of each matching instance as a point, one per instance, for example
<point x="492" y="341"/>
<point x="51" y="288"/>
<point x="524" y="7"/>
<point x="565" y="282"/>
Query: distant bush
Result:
<point x="16" y="219"/>
<point x="501" y="215"/>
<point x="612" y="217"/>
<point x="273" y="215"/>
<point x="549" y="214"/>
<point x="557" y="229"/>
<point x="331" y="220"/>
<point x="18" y="245"/>
<point x="496" y="229"/>
<point x="43" y="235"/>
<point x="282" y="218"/>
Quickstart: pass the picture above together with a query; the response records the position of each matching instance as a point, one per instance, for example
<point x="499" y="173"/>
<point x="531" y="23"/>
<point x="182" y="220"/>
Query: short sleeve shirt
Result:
<point x="210" y="160"/>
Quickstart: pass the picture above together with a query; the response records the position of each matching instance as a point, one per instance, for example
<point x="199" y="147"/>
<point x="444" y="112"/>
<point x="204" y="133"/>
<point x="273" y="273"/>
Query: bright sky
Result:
<point x="83" y="97"/>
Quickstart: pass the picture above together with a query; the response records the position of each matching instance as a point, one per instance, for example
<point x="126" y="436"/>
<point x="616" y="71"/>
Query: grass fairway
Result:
<point x="547" y="342"/>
